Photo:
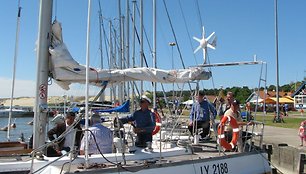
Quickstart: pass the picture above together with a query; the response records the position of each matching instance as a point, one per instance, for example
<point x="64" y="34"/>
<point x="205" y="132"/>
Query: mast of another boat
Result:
<point x="133" y="53"/>
<point x="87" y="84"/>
<point x="102" y="97"/>
<point x="14" y="71"/>
<point x="41" y="92"/>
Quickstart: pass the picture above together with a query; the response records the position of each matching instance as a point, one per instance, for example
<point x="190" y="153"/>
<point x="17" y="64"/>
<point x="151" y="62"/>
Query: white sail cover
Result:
<point x="65" y="70"/>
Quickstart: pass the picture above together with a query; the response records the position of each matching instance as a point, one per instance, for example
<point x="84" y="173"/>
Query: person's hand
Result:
<point x="190" y="123"/>
<point x="250" y="123"/>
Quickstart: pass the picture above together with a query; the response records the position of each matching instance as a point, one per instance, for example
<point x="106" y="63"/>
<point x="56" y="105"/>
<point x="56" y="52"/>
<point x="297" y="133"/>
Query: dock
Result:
<point x="287" y="152"/>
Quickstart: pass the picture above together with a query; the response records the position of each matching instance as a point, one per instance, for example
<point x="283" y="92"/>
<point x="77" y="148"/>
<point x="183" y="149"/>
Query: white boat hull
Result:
<point x="175" y="160"/>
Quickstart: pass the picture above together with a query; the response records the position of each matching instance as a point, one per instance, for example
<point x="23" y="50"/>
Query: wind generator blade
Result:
<point x="214" y="42"/>
<point x="203" y="32"/>
<point x="210" y="46"/>
<point x="197" y="39"/>
<point x="212" y="34"/>
<point x="196" y="50"/>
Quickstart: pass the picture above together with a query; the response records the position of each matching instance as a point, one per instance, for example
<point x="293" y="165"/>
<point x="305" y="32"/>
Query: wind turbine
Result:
<point x="204" y="43"/>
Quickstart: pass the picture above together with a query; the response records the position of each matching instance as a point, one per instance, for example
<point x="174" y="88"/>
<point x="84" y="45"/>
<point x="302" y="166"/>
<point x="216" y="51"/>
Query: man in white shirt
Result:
<point x="103" y="137"/>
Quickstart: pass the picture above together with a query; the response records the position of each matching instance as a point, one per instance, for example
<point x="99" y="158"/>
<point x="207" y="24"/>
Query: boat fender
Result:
<point x="158" y="123"/>
<point x="221" y="137"/>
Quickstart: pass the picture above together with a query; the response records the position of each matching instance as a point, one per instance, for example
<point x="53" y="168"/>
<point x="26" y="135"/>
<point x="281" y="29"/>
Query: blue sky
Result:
<point x="244" y="28"/>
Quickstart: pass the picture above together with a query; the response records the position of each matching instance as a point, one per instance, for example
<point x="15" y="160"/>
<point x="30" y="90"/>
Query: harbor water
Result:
<point x="22" y="127"/>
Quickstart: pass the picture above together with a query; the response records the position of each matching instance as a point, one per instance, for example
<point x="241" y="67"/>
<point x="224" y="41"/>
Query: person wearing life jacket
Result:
<point x="233" y="111"/>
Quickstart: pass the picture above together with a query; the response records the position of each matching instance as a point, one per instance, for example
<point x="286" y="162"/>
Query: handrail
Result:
<point x="52" y="142"/>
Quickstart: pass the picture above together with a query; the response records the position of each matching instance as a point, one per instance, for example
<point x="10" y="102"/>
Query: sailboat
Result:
<point x="172" y="151"/>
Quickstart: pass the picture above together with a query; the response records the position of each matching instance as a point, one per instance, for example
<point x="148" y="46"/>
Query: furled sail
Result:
<point x="65" y="70"/>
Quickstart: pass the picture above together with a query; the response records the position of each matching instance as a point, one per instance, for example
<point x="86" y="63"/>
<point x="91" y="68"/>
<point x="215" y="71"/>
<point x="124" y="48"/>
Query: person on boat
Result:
<point x="225" y="104"/>
<point x="97" y="135"/>
<point x="233" y="111"/>
<point x="66" y="142"/>
<point x="143" y="121"/>
<point x="201" y="114"/>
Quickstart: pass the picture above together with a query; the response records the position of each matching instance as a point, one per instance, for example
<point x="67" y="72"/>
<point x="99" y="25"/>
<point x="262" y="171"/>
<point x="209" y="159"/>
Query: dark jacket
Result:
<point x="59" y="129"/>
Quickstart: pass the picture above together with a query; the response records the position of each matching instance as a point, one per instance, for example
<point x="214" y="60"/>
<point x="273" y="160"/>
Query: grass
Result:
<point x="293" y="121"/>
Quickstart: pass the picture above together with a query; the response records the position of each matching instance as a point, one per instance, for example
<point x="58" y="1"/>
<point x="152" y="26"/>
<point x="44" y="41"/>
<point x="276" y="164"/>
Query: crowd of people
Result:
<point x="100" y="138"/>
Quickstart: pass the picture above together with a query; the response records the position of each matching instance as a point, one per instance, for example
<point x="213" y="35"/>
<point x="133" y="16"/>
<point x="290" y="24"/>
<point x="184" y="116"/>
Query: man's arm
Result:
<point x="191" y="115"/>
<point x="212" y="110"/>
<point x="51" y="133"/>
<point x="127" y="119"/>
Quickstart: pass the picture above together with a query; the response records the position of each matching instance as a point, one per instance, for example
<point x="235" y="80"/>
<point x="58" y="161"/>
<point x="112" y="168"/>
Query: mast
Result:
<point x="111" y="57"/>
<point x="141" y="42"/>
<point x="277" y="71"/>
<point x="14" y="71"/>
<point x="127" y="44"/>
<point x="102" y="97"/>
<point x="154" y="51"/>
<point x="120" y="92"/>
<point x="87" y="82"/>
<point x="43" y="43"/>
<point x="133" y="52"/>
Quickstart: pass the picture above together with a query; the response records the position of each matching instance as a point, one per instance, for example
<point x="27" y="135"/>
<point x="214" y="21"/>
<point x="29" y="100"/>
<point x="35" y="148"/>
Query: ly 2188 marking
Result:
<point x="220" y="168"/>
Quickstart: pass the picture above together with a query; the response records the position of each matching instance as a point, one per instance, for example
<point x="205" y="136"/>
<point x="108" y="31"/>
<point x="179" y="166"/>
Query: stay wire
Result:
<point x="189" y="36"/>
<point x="199" y="13"/>
<point x="176" y="41"/>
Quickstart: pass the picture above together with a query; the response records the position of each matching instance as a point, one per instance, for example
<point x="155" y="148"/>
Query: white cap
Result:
<point x="146" y="98"/>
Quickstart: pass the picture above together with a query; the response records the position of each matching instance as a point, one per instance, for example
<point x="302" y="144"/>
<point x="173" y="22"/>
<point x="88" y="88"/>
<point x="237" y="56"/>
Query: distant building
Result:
<point x="262" y="96"/>
<point x="299" y="97"/>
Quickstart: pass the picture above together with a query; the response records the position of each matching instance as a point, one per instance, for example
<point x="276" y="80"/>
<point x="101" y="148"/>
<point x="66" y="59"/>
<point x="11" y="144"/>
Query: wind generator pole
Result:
<point x="43" y="43"/>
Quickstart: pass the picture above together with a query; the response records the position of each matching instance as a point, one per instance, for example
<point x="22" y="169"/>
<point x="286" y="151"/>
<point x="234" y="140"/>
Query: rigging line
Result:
<point x="189" y="36"/>
<point x="106" y="41"/>
<point x="144" y="29"/>
<point x="212" y="77"/>
<point x="138" y="39"/>
<point x="199" y="13"/>
<point x="177" y="44"/>
<point x="100" y="33"/>
<point x="14" y="70"/>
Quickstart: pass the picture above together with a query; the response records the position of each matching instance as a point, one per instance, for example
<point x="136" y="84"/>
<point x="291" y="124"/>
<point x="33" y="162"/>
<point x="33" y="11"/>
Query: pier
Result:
<point x="287" y="152"/>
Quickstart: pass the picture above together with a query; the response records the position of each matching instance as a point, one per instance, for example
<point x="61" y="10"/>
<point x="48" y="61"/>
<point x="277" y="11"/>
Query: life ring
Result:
<point x="157" y="123"/>
<point x="221" y="137"/>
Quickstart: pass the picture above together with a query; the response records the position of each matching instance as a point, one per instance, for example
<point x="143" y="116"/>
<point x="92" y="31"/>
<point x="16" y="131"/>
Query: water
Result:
<point x="21" y="127"/>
